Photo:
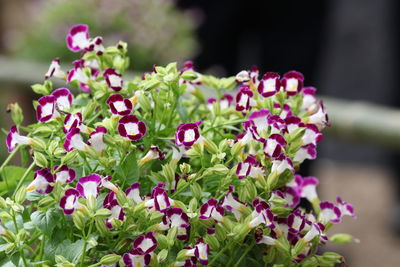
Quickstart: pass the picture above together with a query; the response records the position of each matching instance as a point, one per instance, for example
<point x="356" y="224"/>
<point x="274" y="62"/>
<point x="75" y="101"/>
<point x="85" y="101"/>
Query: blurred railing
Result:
<point x="354" y="120"/>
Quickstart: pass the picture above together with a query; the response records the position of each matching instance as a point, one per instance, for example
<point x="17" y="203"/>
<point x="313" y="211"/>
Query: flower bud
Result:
<point x="103" y="213"/>
<point x="77" y="218"/>
<point x="40" y="159"/>
<point x="3" y="203"/>
<point x="40" y="89"/>
<point x="280" y="211"/>
<point x="5" y="216"/>
<point x="46" y="201"/>
<point x="100" y="224"/>
<point x="18" y="208"/>
<point x="212" y="241"/>
<point x="20" y="196"/>
<point x="162" y="241"/>
<point x="121" y="198"/>
<point x="299" y="247"/>
<point x="189" y="75"/>
<point x="89" y="109"/>
<point x="218" y="169"/>
<point x="110" y="259"/>
<point x="330" y="258"/>
<point x="91" y="204"/>
<point x="9" y="248"/>
<point x="185" y="168"/>
<point x="210" y="146"/>
<point x="270" y="257"/>
<point x="236" y="149"/>
<point x="38" y="144"/>
<point x="196" y="190"/>
<point x="123" y="244"/>
<point x="16" y="113"/>
<point x="69" y="157"/>
<point x="144" y="103"/>
<point x="343" y="239"/>
<point x="193" y="204"/>
<point x="162" y="255"/>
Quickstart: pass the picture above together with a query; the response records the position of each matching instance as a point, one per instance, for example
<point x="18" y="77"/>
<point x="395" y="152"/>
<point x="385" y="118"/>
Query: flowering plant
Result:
<point x="140" y="171"/>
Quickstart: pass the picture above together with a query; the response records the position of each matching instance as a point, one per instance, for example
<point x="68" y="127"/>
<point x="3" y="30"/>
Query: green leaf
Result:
<point x="10" y="176"/>
<point x="46" y="221"/>
<point x="128" y="171"/>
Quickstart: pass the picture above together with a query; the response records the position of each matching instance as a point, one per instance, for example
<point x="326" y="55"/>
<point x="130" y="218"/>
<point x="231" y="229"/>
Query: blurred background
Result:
<point x="347" y="49"/>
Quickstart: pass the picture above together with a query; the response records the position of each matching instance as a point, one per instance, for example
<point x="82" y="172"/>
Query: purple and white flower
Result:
<point x="55" y="70"/>
<point x="117" y="213"/>
<point x="113" y="79"/>
<point x="96" y="44"/>
<point x="260" y="119"/>
<point x="133" y="192"/>
<point x="161" y="199"/>
<point x="130" y="127"/>
<point x="269" y="84"/>
<point x="106" y="183"/>
<point x="261" y="214"/>
<point x="62" y="99"/>
<point x="292" y="82"/>
<point x="200" y="251"/>
<point x="264" y="239"/>
<point x="245" y="168"/>
<point x="311" y="135"/>
<point x="176" y="217"/>
<point x="211" y="209"/>
<point x="74" y="140"/>
<point x="64" y="175"/>
<point x="305" y="152"/>
<point x="77" y="74"/>
<point x="314" y="231"/>
<point x="145" y="244"/>
<point x="89" y="185"/>
<point x="72" y="121"/>
<point x="244" y="98"/>
<point x="96" y="139"/>
<point x="225" y="101"/>
<point x="14" y="139"/>
<point x="43" y="182"/>
<point x="119" y="105"/>
<point x="293" y="123"/>
<point x="273" y="146"/>
<point x="78" y="38"/>
<point x="243" y="76"/>
<point x="153" y="153"/>
<point x="345" y="208"/>
<point x="319" y="117"/>
<point x="187" y="134"/>
<point x="232" y="204"/>
<point x="281" y="164"/>
<point x="69" y="202"/>
<point x="308" y="188"/>
<point x="329" y="212"/>
<point x="46" y="108"/>
<point x="309" y="97"/>
<point x="296" y="221"/>
<point x="278" y="125"/>
<point x="134" y="259"/>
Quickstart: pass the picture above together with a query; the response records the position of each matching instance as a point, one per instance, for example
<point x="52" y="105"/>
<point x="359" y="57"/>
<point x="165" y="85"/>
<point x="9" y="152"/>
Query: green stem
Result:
<point x="5" y="163"/>
<point x="42" y="247"/>
<point x="85" y="243"/>
<point x="21" y="251"/>
<point x="219" y="254"/>
<point x="244" y="254"/>
<point x="23" y="178"/>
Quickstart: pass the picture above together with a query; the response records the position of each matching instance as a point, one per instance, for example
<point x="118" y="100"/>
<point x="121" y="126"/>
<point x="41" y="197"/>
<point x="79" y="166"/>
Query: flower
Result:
<point x="200" y="251"/>
<point x="225" y="101"/>
<point x="69" y="202"/>
<point x="308" y="188"/>
<point x="113" y="79"/>
<point x="309" y="98"/>
<point x="133" y="193"/>
<point x="145" y="244"/>
<point x="134" y="259"/>
<point x="273" y="146"/>
<point x="211" y="209"/>
<point x="64" y="175"/>
<point x="42" y="182"/>
<point x="278" y="125"/>
<point x="243" y="76"/>
<point x="244" y="98"/>
<point x="245" y="168"/>
<point x="292" y="82"/>
<point x="260" y="119"/>
<point x="233" y="205"/>
<point x="313" y="232"/>
<point x="14" y="138"/>
<point x="176" y="217"/>
<point x="130" y="127"/>
<point x="105" y="182"/>
<point x="319" y="117"/>
<point x="281" y="164"/>
<point x="96" y="139"/>
<point x="117" y="212"/>
<point x="74" y="140"/>
<point x="329" y="212"/>
<point x="45" y="109"/>
<point x="261" y="214"/>
<point x="153" y="153"/>
<point x="345" y="208"/>
<point x="63" y="99"/>
<point x="89" y="185"/>
<point x="55" y="70"/>
<point x="119" y="105"/>
<point x="311" y="135"/>
<point x="269" y="85"/>
<point x="160" y="198"/>
<point x="305" y="152"/>
<point x="187" y="134"/>
<point x="296" y="221"/>
<point x="78" y="38"/>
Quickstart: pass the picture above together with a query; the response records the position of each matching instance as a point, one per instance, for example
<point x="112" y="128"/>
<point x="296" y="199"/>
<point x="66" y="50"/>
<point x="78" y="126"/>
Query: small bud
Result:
<point x="185" y="168"/>
<point x="162" y="241"/>
<point x="196" y="190"/>
<point x="210" y="146"/>
<point x="3" y="203"/>
<point x="20" y="196"/>
<point x="218" y="169"/>
<point x="69" y="157"/>
<point x="110" y="259"/>
<point x="40" y="159"/>
<point x="144" y="102"/>
<point x="16" y="113"/>
<point x="193" y="204"/>
<point x="18" y="208"/>
<point x="121" y="198"/>
<point x="330" y="258"/>
<point x="236" y="149"/>
<point x="189" y="75"/>
<point x="91" y="203"/>
<point x="101" y="226"/>
<point x="9" y="248"/>
<point x="89" y="109"/>
<point x="38" y="144"/>
<point x="103" y="213"/>
<point x="77" y="218"/>
<point x="162" y="255"/>
<point x="46" y="201"/>
<point x="212" y="241"/>
<point x="123" y="244"/>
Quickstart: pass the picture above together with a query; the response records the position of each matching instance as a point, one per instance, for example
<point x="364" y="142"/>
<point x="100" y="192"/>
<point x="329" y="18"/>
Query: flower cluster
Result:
<point x="148" y="171"/>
